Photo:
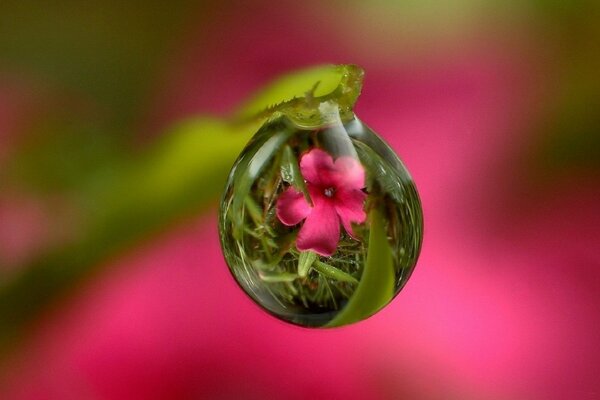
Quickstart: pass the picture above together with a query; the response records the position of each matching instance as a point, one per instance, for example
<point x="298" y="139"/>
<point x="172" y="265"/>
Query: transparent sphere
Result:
<point x="320" y="227"/>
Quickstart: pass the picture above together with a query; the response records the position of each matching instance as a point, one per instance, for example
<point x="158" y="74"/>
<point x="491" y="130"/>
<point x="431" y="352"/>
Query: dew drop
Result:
<point x="321" y="227"/>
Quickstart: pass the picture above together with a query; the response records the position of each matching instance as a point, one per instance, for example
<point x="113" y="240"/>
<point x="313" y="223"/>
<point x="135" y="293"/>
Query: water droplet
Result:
<point x="320" y="226"/>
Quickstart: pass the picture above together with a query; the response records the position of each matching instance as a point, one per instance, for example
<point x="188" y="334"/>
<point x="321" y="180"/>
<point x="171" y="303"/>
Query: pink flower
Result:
<point x="335" y="191"/>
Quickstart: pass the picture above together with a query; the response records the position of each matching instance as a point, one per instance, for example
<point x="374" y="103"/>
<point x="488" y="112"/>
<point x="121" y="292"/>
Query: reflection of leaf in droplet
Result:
<point x="376" y="174"/>
<point x="254" y="211"/>
<point x="333" y="273"/>
<point x="376" y="286"/>
<point x="279" y="277"/>
<point x="290" y="172"/>
<point x="305" y="261"/>
<point x="249" y="168"/>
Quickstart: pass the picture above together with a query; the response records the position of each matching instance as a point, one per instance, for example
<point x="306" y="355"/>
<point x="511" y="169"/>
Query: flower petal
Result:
<point x="317" y="167"/>
<point x="349" y="205"/>
<point x="321" y="230"/>
<point x="292" y="207"/>
<point x="349" y="173"/>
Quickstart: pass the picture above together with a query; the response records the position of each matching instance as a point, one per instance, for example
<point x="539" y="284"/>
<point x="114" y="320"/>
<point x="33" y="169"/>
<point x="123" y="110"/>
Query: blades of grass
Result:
<point x="251" y="166"/>
<point x="372" y="161"/>
<point x="376" y="287"/>
<point x="275" y="296"/>
<point x="279" y="277"/>
<point x="290" y="286"/>
<point x="331" y="296"/>
<point x="333" y="273"/>
<point x="290" y="171"/>
<point x="266" y="249"/>
<point x="305" y="261"/>
<point x="252" y="233"/>
<point x="254" y="211"/>
<point x="270" y="198"/>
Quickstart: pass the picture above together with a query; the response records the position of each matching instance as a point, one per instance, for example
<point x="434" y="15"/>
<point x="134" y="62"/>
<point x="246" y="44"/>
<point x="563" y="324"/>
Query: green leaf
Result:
<point x="305" y="261"/>
<point x="318" y="82"/>
<point x="376" y="286"/>
<point x="182" y="174"/>
<point x="390" y="183"/>
<point x="337" y="86"/>
<point x="290" y="171"/>
<point x="254" y="210"/>
<point x="333" y="273"/>
<point x="278" y="277"/>
<point x="249" y="169"/>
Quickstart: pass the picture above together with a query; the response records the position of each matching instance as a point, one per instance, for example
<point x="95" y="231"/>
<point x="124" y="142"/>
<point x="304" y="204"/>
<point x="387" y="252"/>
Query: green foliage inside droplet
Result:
<point x="364" y="273"/>
<point x="261" y="251"/>
<point x="290" y="172"/>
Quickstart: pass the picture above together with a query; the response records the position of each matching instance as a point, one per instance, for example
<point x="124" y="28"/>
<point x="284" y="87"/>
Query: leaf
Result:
<point x="278" y="277"/>
<point x="290" y="171"/>
<point x="333" y="273"/>
<point x="336" y="84"/>
<point x="249" y="169"/>
<point x="324" y="79"/>
<point x="305" y="261"/>
<point x="183" y="174"/>
<point x="254" y="211"/>
<point x="379" y="159"/>
<point x="376" y="286"/>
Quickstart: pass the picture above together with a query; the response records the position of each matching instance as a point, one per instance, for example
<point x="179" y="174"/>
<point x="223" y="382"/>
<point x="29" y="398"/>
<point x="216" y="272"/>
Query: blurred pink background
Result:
<point x="505" y="300"/>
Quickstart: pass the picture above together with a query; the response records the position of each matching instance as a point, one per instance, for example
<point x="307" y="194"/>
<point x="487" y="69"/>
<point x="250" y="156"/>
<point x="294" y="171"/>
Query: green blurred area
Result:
<point x="90" y="67"/>
<point x="108" y="51"/>
<point x="570" y="131"/>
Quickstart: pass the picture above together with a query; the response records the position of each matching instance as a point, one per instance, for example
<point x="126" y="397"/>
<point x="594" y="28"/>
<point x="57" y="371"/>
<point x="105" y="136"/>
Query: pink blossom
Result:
<point x="335" y="188"/>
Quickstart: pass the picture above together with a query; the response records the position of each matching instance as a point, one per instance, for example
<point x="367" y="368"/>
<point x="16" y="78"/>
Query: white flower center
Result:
<point x="329" y="192"/>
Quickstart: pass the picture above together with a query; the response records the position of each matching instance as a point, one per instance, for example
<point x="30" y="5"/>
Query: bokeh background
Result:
<point x="112" y="284"/>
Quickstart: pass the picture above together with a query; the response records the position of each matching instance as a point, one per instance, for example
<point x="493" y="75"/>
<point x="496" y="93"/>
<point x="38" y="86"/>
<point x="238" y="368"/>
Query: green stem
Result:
<point x="334" y="273"/>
